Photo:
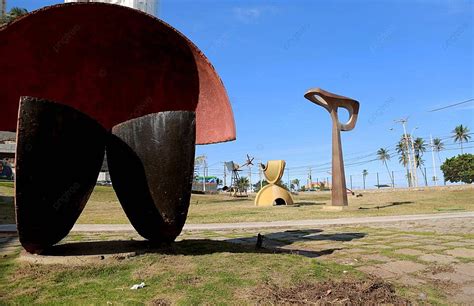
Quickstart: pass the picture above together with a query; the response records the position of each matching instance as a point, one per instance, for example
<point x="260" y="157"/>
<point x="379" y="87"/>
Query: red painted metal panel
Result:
<point x="111" y="63"/>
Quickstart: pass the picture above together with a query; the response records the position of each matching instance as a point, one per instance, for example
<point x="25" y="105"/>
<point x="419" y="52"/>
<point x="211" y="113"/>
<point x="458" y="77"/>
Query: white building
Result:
<point x="3" y="7"/>
<point x="147" y="6"/>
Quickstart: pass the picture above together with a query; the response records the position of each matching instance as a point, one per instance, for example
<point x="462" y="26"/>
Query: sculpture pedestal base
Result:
<point x="336" y="208"/>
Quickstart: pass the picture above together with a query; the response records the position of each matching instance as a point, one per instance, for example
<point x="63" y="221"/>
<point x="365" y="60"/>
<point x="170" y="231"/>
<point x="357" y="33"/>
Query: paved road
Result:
<point x="271" y="224"/>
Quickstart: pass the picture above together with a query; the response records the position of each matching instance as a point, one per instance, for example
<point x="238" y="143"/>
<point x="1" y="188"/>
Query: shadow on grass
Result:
<point x="272" y="243"/>
<point x="7" y="209"/>
<point x="220" y="201"/>
<point x="307" y="203"/>
<point x="312" y="234"/>
<point x="6" y="199"/>
<point x="190" y="247"/>
<point x="389" y="205"/>
<point x="7" y="239"/>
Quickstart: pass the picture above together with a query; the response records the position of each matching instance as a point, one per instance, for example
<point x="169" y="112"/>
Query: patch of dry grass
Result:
<point x="188" y="272"/>
<point x="222" y="208"/>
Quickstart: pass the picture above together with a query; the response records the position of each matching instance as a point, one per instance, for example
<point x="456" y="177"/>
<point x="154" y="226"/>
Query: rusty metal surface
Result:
<point x="116" y="69"/>
<point x="151" y="163"/>
<point x="218" y="124"/>
<point x="332" y="102"/>
<point x="58" y="158"/>
<point x="113" y="64"/>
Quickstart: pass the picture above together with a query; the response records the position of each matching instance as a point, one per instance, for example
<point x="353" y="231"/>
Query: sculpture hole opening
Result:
<point x="321" y="100"/>
<point x="343" y="114"/>
<point x="279" y="201"/>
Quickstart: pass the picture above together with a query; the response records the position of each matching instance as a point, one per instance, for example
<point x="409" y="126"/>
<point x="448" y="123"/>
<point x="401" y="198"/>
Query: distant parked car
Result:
<point x="6" y="172"/>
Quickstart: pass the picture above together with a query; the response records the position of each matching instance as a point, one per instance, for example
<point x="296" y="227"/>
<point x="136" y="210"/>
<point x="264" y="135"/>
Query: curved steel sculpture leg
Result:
<point x="151" y="162"/>
<point x="59" y="154"/>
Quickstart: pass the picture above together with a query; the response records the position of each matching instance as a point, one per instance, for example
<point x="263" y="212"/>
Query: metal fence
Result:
<point x="401" y="179"/>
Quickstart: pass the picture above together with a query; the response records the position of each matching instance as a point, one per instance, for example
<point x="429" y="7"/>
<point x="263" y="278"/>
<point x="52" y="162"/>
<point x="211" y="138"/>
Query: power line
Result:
<point x="452" y="105"/>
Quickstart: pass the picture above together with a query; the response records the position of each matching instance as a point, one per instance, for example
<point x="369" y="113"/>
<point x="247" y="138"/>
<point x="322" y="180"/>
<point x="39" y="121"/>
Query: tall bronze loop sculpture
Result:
<point x="332" y="102"/>
<point x="97" y="77"/>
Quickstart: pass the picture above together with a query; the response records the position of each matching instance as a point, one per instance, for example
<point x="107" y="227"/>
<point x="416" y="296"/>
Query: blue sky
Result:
<point x="398" y="58"/>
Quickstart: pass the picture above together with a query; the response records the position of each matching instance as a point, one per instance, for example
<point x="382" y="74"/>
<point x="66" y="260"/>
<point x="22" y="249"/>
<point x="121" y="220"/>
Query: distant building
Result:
<point x="147" y="6"/>
<point x="211" y="183"/>
<point x="3" y="7"/>
<point x="325" y="185"/>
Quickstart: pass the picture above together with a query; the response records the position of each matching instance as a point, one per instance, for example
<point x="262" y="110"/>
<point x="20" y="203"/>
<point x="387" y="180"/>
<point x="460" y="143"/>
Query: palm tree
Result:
<point x="14" y="13"/>
<point x="243" y="183"/>
<point x="403" y="151"/>
<point x="420" y="148"/>
<point x="461" y="133"/>
<point x="383" y="155"/>
<point x="438" y="145"/>
<point x="364" y="175"/>
<point x="296" y="182"/>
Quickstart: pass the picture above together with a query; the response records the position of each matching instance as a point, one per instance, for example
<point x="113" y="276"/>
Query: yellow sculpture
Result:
<point x="273" y="193"/>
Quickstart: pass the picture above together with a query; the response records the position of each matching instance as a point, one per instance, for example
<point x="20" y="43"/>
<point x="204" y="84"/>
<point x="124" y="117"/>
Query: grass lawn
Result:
<point x="189" y="272"/>
<point x="330" y="265"/>
<point x="296" y="265"/>
<point x="104" y="208"/>
<point x="195" y="271"/>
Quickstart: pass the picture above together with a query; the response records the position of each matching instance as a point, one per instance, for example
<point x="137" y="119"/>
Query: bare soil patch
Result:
<point x="159" y="302"/>
<point x="347" y="292"/>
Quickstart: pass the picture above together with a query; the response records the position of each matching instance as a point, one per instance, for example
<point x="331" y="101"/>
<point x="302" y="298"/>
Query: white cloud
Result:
<point x="251" y="14"/>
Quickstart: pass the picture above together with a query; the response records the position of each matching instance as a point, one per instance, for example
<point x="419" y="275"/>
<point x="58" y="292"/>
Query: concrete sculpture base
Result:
<point x="337" y="208"/>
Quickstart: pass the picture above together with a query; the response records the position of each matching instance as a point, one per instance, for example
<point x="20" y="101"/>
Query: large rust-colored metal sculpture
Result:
<point x="273" y="193"/>
<point x="332" y="102"/>
<point x="107" y="78"/>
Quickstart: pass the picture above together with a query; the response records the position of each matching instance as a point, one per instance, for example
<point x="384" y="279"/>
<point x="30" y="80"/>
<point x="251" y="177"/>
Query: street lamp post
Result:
<point x="407" y="146"/>
<point x="435" y="178"/>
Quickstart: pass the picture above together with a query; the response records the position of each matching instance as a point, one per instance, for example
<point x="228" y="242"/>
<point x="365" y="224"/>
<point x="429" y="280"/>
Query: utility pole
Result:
<point x="225" y="176"/>
<point x="204" y="175"/>
<point x="415" y="166"/>
<point x="250" y="178"/>
<point x="410" y="172"/>
<point x="260" y="170"/>
<point x="3" y="7"/>
<point x="310" y="183"/>
<point x="426" y="179"/>
<point x="288" y="175"/>
<point x="435" y="178"/>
